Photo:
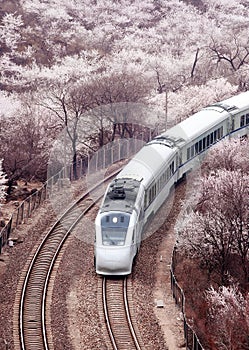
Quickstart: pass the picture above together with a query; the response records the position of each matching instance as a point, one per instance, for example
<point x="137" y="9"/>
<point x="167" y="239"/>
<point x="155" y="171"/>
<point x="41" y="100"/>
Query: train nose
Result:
<point x="113" y="262"/>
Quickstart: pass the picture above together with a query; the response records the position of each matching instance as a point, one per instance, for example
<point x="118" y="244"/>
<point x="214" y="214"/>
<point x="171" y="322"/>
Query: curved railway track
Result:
<point x="32" y="312"/>
<point x="117" y="314"/>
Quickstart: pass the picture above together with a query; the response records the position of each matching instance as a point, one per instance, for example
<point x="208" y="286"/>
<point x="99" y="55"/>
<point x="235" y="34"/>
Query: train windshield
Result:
<point x="114" y="228"/>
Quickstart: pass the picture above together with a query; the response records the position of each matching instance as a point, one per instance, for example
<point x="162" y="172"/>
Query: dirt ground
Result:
<point x="168" y="314"/>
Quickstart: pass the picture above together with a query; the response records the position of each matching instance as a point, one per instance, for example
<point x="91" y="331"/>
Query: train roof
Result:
<point x="241" y="101"/>
<point x="148" y="162"/>
<point x="208" y="117"/>
<point x="121" y="195"/>
<point x="150" y="159"/>
<point x="197" y="124"/>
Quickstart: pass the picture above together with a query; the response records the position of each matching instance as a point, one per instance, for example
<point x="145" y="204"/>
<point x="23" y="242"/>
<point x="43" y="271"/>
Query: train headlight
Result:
<point x="114" y="219"/>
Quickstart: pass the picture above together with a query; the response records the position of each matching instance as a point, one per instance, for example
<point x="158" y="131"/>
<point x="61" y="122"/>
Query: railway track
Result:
<point x="117" y="314"/>
<point x="32" y="311"/>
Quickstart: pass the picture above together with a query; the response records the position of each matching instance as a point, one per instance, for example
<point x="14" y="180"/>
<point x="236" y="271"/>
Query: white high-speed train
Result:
<point x="142" y="186"/>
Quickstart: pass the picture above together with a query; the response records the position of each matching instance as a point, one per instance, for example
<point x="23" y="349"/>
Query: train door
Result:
<point x="178" y="164"/>
<point x="138" y="229"/>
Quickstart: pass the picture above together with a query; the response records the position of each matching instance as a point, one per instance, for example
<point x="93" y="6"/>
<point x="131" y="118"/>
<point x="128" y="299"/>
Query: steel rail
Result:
<point x="120" y="322"/>
<point x="108" y="324"/>
<point x="133" y="333"/>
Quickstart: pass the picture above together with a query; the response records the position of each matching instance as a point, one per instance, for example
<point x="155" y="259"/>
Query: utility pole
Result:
<point x="163" y="88"/>
<point x="166" y="109"/>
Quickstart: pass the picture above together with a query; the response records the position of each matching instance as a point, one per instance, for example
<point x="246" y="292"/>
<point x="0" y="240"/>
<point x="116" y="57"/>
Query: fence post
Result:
<point x="104" y="159"/>
<point x="178" y="294"/>
<point x="28" y="210"/>
<point x="119" y="150"/>
<point x="97" y="159"/>
<point x="112" y="154"/>
<point x="22" y="211"/>
<point x="81" y="167"/>
<point x="9" y="226"/>
<point x="39" y="193"/>
<point x="17" y="216"/>
<point x="46" y="190"/>
<point x="33" y="198"/>
<point x="88" y="163"/>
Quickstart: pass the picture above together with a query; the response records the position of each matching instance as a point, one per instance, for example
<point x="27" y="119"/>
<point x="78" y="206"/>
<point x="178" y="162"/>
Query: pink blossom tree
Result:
<point x="217" y="228"/>
<point x="228" y="318"/>
<point x="25" y="141"/>
<point x="230" y="154"/>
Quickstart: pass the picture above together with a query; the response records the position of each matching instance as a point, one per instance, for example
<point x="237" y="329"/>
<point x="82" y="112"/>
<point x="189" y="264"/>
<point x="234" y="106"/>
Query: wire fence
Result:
<point x="192" y="341"/>
<point x="111" y="153"/>
<point x="106" y="156"/>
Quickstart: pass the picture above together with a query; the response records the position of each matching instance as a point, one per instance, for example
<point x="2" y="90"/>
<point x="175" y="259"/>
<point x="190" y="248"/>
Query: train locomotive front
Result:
<point x="117" y="228"/>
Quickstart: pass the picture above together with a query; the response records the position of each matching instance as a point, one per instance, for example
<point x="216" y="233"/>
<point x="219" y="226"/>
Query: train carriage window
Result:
<point x="188" y="153"/>
<point x="211" y="138"/>
<point x="165" y="176"/>
<point x="154" y="191"/>
<point x="200" y="146"/>
<point x="208" y="140"/>
<point x="196" y="148"/>
<point x="145" y="200"/>
<point x="221" y="131"/>
<point x="215" y="135"/>
<point x="204" y="142"/>
<point x="192" y="151"/>
<point x="247" y="119"/>
<point x="173" y="166"/>
<point x="150" y="196"/>
<point x="179" y="158"/>
<point x="242" y="120"/>
<point x="157" y="186"/>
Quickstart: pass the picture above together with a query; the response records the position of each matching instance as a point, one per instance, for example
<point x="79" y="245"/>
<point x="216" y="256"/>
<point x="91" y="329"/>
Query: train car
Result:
<point x="140" y="189"/>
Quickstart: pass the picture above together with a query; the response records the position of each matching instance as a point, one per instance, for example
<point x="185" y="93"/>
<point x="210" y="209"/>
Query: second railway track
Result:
<point x="32" y="311"/>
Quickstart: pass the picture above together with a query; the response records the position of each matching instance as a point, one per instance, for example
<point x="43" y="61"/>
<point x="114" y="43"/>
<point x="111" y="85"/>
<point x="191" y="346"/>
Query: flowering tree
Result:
<point x="128" y="49"/>
<point x="230" y="154"/>
<point x="228" y="318"/>
<point x="218" y="227"/>
<point x="25" y="140"/>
